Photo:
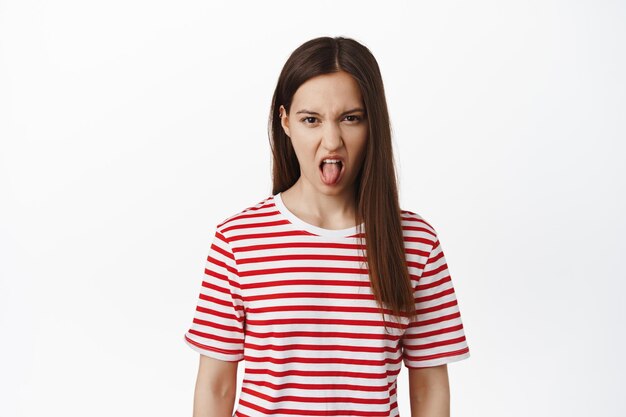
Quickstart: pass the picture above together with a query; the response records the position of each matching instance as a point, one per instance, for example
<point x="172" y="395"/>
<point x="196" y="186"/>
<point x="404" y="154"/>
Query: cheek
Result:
<point x="357" y="145"/>
<point x="305" y="150"/>
<point x="356" y="135"/>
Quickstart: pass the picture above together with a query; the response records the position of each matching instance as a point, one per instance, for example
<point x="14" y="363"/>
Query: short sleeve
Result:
<point x="218" y="326"/>
<point x="437" y="336"/>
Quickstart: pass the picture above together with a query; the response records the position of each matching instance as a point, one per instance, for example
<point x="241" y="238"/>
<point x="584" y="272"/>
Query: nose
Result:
<point x="331" y="136"/>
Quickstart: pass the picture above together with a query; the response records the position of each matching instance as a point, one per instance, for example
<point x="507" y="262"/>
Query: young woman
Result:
<point x="325" y="287"/>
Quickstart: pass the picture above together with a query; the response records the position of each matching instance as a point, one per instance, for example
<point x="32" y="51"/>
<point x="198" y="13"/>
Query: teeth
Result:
<point x="331" y="161"/>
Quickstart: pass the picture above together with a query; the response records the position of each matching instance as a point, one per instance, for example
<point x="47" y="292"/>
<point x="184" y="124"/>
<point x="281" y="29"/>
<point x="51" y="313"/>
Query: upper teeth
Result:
<point x="331" y="161"/>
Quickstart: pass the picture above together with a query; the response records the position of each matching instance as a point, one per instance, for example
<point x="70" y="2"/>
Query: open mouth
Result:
<point x="331" y="174"/>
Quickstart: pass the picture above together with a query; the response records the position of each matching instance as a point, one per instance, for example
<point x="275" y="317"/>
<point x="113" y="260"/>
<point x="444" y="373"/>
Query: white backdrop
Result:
<point x="129" y="129"/>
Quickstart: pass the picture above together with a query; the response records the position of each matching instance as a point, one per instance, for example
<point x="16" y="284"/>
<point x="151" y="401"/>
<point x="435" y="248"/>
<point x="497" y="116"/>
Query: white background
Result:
<point x="130" y="128"/>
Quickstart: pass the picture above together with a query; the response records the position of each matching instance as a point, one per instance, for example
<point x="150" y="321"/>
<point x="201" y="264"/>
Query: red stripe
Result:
<point x="435" y="320"/>
<point x="309" y="307"/>
<point x="293" y="269"/>
<point x="294" y="244"/>
<point x="320" y="347"/>
<point x="215" y="337"/>
<point x="435" y="344"/>
<point x="216" y="312"/>
<point x="435" y="296"/>
<point x="294" y="295"/>
<point x="313" y="400"/>
<point x="302" y="256"/>
<point x="309" y="373"/>
<point x="315" y="387"/>
<point x="437" y="332"/>
<point x="321" y="321"/>
<point x="309" y="412"/>
<point x="315" y="282"/>
<point x="322" y="334"/>
<point x="437" y="355"/>
<point x="213" y="348"/>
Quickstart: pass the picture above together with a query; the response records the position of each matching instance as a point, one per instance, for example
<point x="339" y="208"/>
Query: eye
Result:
<point x="356" y="118"/>
<point x="307" y="118"/>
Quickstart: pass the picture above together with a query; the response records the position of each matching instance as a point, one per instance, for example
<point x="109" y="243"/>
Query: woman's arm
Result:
<point x="429" y="391"/>
<point x="216" y="388"/>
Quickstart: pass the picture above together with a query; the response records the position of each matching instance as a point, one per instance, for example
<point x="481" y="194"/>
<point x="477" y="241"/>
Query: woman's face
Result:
<point x="328" y="118"/>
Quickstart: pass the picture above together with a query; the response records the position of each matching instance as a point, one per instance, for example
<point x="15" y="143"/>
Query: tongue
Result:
<point x="330" y="172"/>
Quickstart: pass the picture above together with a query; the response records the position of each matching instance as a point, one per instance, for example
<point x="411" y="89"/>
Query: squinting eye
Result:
<point x="358" y="118"/>
<point x="307" y="118"/>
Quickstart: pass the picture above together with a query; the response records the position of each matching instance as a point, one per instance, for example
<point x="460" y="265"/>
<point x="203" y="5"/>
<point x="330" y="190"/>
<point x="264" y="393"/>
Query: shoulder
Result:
<point x="255" y="211"/>
<point x="416" y="228"/>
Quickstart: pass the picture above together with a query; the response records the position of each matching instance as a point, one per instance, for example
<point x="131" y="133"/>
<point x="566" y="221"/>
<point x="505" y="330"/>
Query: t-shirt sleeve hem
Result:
<point x="435" y="362"/>
<point x="215" y="354"/>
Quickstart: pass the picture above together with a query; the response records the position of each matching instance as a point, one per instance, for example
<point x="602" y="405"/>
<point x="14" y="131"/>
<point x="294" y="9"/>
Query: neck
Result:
<point x="333" y="210"/>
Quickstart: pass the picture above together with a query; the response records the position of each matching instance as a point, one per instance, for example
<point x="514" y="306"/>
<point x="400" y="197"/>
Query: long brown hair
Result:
<point x="376" y="192"/>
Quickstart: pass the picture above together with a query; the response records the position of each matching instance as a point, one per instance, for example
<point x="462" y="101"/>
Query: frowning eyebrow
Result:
<point x="342" y="114"/>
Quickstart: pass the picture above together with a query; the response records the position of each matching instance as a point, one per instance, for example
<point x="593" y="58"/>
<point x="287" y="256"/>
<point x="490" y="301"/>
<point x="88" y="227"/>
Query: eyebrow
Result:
<point x="344" y="113"/>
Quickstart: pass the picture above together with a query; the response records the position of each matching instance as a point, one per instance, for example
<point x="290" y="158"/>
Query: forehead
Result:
<point x="333" y="92"/>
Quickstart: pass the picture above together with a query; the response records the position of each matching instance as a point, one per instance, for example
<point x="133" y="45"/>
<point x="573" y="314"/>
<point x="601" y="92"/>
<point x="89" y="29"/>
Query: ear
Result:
<point x="284" y="119"/>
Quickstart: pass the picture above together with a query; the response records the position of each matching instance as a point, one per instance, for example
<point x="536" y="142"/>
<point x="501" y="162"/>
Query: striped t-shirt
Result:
<point x="294" y="300"/>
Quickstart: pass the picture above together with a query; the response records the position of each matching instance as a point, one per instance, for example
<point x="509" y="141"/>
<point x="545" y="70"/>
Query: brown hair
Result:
<point x="376" y="192"/>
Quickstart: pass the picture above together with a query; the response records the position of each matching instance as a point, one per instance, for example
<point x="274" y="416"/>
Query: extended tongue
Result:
<point x="330" y="172"/>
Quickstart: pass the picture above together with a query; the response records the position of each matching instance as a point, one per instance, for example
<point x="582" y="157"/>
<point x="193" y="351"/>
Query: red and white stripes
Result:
<point x="294" y="301"/>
